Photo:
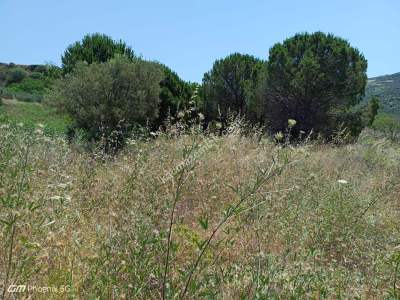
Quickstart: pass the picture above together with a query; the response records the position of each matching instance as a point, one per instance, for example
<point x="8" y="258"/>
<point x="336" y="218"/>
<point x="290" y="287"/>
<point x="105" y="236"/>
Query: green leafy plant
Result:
<point x="106" y="100"/>
<point x="389" y="125"/>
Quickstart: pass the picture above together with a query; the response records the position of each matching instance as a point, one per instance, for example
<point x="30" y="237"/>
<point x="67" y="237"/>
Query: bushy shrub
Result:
<point x="309" y="76"/>
<point x="373" y="107"/>
<point x="230" y="87"/>
<point x="107" y="99"/>
<point x="387" y="124"/>
<point x="351" y="122"/>
<point x="36" y="75"/>
<point x="53" y="72"/>
<point x="16" y="75"/>
<point x="30" y="86"/>
<point x="94" y="48"/>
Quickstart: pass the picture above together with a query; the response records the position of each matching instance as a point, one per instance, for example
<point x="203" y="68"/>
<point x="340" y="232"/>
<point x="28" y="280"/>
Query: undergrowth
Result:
<point x="189" y="215"/>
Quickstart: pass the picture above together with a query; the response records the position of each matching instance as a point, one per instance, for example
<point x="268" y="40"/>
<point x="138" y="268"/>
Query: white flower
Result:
<point x="292" y="122"/>
<point x="342" y="181"/>
<point x="279" y="136"/>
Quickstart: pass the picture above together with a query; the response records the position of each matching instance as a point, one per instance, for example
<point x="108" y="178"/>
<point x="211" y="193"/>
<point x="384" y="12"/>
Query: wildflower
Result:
<point x="291" y="123"/>
<point x="181" y="114"/>
<point x="279" y="136"/>
<point x="342" y="181"/>
<point x="201" y="116"/>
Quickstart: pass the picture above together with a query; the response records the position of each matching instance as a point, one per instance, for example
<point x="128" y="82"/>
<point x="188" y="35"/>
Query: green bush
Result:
<point x="309" y="76"/>
<point x="107" y="100"/>
<point x="351" y="122"/>
<point x="37" y="75"/>
<point x="387" y="124"/>
<point x="370" y="111"/>
<point x="16" y="75"/>
<point x="6" y="93"/>
<point x="29" y="85"/>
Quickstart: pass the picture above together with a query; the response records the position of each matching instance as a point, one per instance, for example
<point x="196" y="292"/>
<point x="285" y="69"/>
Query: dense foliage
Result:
<point x="15" y="75"/>
<point x="230" y="87"/>
<point x="94" y="48"/>
<point x="106" y="100"/>
<point x="371" y="111"/>
<point x="175" y="95"/>
<point x="313" y="78"/>
<point x="389" y="125"/>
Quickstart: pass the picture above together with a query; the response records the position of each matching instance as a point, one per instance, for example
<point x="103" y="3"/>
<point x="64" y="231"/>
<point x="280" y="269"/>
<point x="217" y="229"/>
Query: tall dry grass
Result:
<point x="199" y="216"/>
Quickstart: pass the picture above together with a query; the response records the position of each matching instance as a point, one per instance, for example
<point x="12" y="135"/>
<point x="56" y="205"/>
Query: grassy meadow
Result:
<point x="29" y="114"/>
<point x="188" y="215"/>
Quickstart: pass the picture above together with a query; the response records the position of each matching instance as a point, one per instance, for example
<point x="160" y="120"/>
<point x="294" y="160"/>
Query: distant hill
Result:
<point x="387" y="89"/>
<point x="26" y="82"/>
<point x="29" y="69"/>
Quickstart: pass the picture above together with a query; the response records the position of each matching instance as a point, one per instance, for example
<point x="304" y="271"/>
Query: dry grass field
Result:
<point x="199" y="216"/>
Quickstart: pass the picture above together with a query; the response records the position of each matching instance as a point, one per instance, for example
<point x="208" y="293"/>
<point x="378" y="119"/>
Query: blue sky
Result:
<point x="188" y="35"/>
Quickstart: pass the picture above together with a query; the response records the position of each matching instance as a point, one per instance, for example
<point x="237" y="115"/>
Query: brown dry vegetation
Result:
<point x="292" y="230"/>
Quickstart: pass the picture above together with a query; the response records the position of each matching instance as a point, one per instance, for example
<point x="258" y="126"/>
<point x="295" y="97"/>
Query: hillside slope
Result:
<point x="387" y="89"/>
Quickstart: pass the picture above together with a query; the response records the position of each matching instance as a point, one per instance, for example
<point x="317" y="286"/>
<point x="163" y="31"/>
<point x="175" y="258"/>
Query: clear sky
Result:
<point x="188" y="35"/>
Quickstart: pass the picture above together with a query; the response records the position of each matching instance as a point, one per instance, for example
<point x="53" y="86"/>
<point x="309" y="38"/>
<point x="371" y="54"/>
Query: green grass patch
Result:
<point x="31" y="114"/>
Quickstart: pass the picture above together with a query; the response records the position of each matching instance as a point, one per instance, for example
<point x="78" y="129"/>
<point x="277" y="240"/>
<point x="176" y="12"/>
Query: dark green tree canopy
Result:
<point x="310" y="76"/>
<point x="231" y="85"/>
<point x="175" y="94"/>
<point x="95" y="47"/>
